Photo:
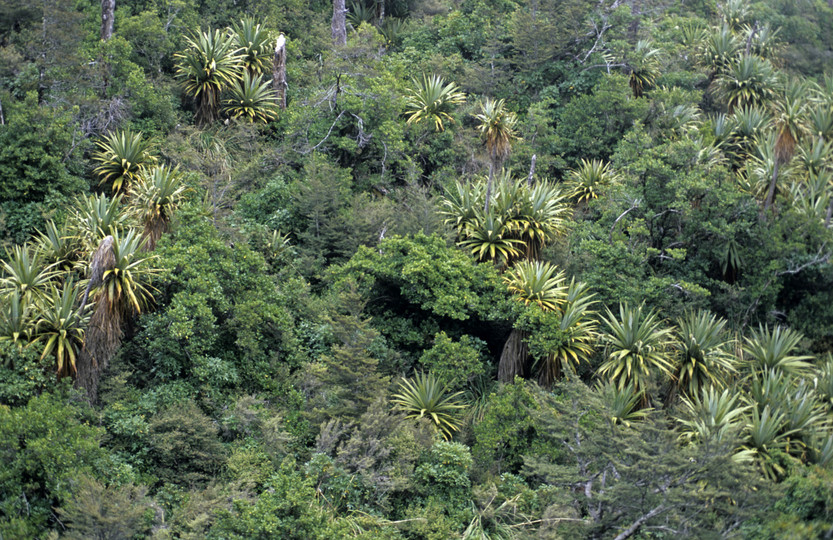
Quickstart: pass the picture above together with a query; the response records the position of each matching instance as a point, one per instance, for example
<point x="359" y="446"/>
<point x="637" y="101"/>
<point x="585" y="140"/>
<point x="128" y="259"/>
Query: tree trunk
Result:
<point x="531" y="171"/>
<point x="86" y="375"/>
<point x="279" y="71"/>
<point x="380" y="12"/>
<point x="104" y="330"/>
<point x="770" y="194"/>
<point x="549" y="372"/>
<point x="489" y="187"/>
<point x="339" y="25"/>
<point x="750" y="38"/>
<point x="108" y="8"/>
<point x="513" y="357"/>
<point x="636" y="13"/>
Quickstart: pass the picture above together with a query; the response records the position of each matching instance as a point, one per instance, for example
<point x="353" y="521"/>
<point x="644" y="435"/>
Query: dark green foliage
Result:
<point x="408" y="443"/>
<point x="687" y="489"/>
<point x="432" y="522"/>
<point x="351" y="376"/>
<point x="667" y="235"/>
<point x="455" y="362"/>
<point x="221" y="322"/>
<point x="45" y="446"/>
<point x="444" y="473"/>
<point x="151" y="45"/>
<point x="369" y="452"/>
<point x="39" y="167"/>
<point x="332" y="216"/>
<point x="322" y="199"/>
<point x="545" y="33"/>
<point x="589" y="126"/>
<point x="288" y="509"/>
<point x="251" y="418"/>
<point x="183" y="446"/>
<point x="308" y="271"/>
<point x="338" y="489"/>
<point x="443" y="488"/>
<point x="808" y="497"/>
<point x="807" y="299"/>
<point x="105" y="512"/>
<point x="152" y="100"/>
<point x="283" y="510"/>
<point x="416" y="284"/>
<point x="194" y="512"/>
<point x="269" y="206"/>
<point x="23" y="374"/>
<point x="507" y="430"/>
<point x="804" y="511"/>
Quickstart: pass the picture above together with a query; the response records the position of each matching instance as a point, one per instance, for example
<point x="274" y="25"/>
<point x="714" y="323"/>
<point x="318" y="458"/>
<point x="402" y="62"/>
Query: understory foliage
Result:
<point x="416" y="270"/>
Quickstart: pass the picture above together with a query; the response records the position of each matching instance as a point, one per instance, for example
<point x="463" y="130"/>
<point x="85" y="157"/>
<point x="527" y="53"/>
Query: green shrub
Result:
<point x="105" y="512"/>
<point x="44" y="447"/>
<point x="455" y="362"/>
<point x="183" y="446"/>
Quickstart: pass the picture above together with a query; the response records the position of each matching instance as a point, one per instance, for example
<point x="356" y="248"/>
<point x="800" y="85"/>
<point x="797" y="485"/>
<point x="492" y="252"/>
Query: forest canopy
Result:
<point x="416" y="269"/>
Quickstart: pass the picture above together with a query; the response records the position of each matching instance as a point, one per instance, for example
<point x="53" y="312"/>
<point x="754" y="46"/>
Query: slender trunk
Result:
<point x="750" y="38"/>
<point x="770" y="194"/>
<point x="339" y="24"/>
<point x="2" y="118"/>
<point x="489" y="187"/>
<point x="531" y="171"/>
<point x="380" y="12"/>
<point x="108" y="8"/>
<point x="279" y="71"/>
<point x="829" y="206"/>
<point x="636" y="13"/>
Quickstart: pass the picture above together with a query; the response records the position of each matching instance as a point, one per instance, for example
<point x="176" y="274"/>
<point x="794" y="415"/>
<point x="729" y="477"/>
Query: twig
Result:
<point x="630" y="531"/>
<point x="329" y="131"/>
<point x="634" y="206"/>
<point x="820" y="258"/>
<point x="599" y="36"/>
<point x="361" y="139"/>
<point x="544" y="520"/>
<point x="384" y="158"/>
<point x="607" y="66"/>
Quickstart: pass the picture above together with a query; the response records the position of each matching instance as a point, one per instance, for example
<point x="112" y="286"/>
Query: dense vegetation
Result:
<point x="416" y="269"/>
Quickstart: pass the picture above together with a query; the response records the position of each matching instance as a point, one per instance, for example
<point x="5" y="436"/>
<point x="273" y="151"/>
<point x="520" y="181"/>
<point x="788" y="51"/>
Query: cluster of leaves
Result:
<point x="46" y="284"/>
<point x="231" y="61"/>
<point x="517" y="221"/>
